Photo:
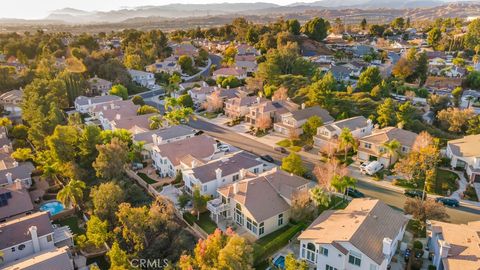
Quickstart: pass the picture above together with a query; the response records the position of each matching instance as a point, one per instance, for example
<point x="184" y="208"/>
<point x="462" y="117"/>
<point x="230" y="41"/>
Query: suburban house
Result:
<point x="51" y="259"/>
<point x="471" y="99"/>
<point x="84" y="104"/>
<point x="185" y="49"/>
<point x="113" y="107"/>
<point x="327" y="135"/>
<point x="171" y="157"/>
<point x="14" y="201"/>
<point x="295" y="120"/>
<point x="247" y="63"/>
<point x="341" y="73"/>
<point x="272" y="109"/>
<point x="199" y="94"/>
<point x="365" y="235"/>
<point x="133" y="123"/>
<point x="99" y="86"/>
<point x="168" y="65"/>
<point x="465" y="153"/>
<point x="454" y="246"/>
<point x="11" y="171"/>
<point x="12" y="101"/>
<point x="245" y="49"/>
<point x="145" y="79"/>
<point x="372" y="147"/>
<point x="218" y="173"/>
<point x="240" y="106"/>
<point x="229" y="93"/>
<point x="434" y="83"/>
<point x="30" y="235"/>
<point x="162" y="136"/>
<point x="260" y="204"/>
<point x="239" y="73"/>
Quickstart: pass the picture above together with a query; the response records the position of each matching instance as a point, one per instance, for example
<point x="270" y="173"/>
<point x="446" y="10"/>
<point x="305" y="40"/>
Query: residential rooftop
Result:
<point x="198" y="147"/>
<point x="16" y="231"/>
<point x="468" y="146"/>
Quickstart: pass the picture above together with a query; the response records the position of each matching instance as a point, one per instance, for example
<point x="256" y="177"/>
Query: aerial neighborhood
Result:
<point x="303" y="143"/>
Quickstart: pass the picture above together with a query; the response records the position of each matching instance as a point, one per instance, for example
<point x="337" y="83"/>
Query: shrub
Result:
<point x="284" y="143"/>
<point x="417" y="245"/>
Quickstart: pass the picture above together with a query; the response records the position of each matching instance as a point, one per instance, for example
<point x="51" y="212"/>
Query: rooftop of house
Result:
<point x="387" y="134"/>
<point x="246" y="58"/>
<point x="244" y="101"/>
<point x="134" y="123"/>
<point x="17" y="201"/>
<point x="16" y="231"/>
<point x="364" y="223"/>
<point x="12" y="94"/>
<point x="353" y="123"/>
<point x="231" y="93"/>
<point x="137" y="73"/>
<point x="199" y="147"/>
<point x="229" y="71"/>
<point x="267" y="194"/>
<point x="306" y="113"/>
<point x="98" y="81"/>
<point x="52" y="259"/>
<point x="468" y="146"/>
<point x="117" y="106"/>
<point x="464" y="241"/>
<point x="228" y="165"/>
<point x="83" y="100"/>
<point x="442" y="82"/>
<point x="21" y="171"/>
<point x="280" y="106"/>
<point x="203" y="89"/>
<point x="165" y="133"/>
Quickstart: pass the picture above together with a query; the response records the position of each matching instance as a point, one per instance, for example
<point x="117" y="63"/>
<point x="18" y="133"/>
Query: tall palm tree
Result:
<point x="320" y="196"/>
<point x="342" y="183"/>
<point x="346" y="140"/>
<point x="155" y="122"/>
<point x="391" y="148"/>
<point x="72" y="193"/>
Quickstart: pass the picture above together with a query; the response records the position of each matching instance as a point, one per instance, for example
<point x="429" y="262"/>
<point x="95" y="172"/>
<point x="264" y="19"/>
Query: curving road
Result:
<point x="392" y="197"/>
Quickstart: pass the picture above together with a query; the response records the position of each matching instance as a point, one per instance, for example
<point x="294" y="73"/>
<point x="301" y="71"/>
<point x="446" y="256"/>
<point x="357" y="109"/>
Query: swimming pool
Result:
<point x="53" y="207"/>
<point x="279" y="262"/>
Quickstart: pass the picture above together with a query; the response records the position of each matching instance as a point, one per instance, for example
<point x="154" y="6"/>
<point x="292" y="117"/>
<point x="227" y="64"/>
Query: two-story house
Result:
<point x="373" y="147"/>
<point x="169" y="65"/>
<point x="169" y="158"/>
<point x="239" y="73"/>
<point x="145" y="79"/>
<point x="240" y="106"/>
<point x="260" y="204"/>
<point x="99" y="86"/>
<point x="14" y="201"/>
<point x="199" y="94"/>
<point x="271" y="109"/>
<point x="84" y="104"/>
<point x="218" y="173"/>
<point x="12" y="101"/>
<point x="465" y="153"/>
<point x="295" y="120"/>
<point x="454" y="246"/>
<point x="326" y="139"/>
<point x="30" y="235"/>
<point x="247" y="63"/>
<point x="364" y="236"/>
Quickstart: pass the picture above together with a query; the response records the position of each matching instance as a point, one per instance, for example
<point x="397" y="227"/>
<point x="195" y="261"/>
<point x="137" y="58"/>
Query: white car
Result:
<point x="224" y="147"/>
<point x="372" y="168"/>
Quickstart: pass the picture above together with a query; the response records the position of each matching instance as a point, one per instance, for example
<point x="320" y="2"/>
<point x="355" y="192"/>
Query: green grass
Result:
<point x="295" y="148"/>
<point x="204" y="222"/>
<point x="71" y="222"/>
<point x="284" y="143"/>
<point x="209" y="115"/>
<point x="146" y="178"/>
<point x="445" y="181"/>
<point x="271" y="243"/>
<point x="470" y="194"/>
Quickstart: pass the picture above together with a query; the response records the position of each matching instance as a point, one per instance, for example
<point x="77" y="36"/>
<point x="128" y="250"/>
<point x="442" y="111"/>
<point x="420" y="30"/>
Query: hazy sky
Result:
<point x="38" y="9"/>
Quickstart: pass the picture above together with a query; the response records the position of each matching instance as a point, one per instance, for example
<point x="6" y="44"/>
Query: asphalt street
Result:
<point x="392" y="197"/>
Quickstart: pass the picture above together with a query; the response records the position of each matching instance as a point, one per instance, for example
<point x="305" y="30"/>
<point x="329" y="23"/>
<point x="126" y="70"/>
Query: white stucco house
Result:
<point x="465" y="153"/>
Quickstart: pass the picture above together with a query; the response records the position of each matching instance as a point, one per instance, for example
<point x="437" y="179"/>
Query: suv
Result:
<point x="448" y="201"/>
<point x="267" y="158"/>
<point x="354" y="193"/>
<point x="414" y="193"/>
<point x="281" y="150"/>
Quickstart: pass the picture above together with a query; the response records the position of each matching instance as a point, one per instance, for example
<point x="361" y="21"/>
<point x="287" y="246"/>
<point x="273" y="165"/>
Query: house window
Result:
<point x="404" y="149"/>
<point x="252" y="225"/>
<point x="13" y="249"/>
<point x="368" y="145"/>
<point x="328" y="267"/>
<point x="21" y="247"/>
<point x="280" y="220"/>
<point x="261" y="229"/>
<point x="354" y="259"/>
<point x="255" y="170"/>
<point x="236" y="177"/>
<point x="323" y="251"/>
<point x="310" y="250"/>
<point x="49" y="238"/>
<point x="205" y="188"/>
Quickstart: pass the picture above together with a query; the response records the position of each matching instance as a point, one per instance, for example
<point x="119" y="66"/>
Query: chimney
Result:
<point x="155" y="139"/>
<point x="387" y="246"/>
<point x="112" y="106"/>
<point x="303" y="106"/>
<point x="258" y="99"/>
<point x="228" y="86"/>
<point x="218" y="173"/>
<point x="105" y="107"/>
<point x="6" y="148"/>
<point x="18" y="184"/>
<point x="243" y="173"/>
<point x="89" y="101"/>
<point x="9" y="178"/>
<point x="219" y="85"/>
<point x="33" y="234"/>
<point x="118" y="116"/>
<point x="194" y="163"/>
<point x="444" y="249"/>
<point x="15" y="163"/>
<point x="235" y="188"/>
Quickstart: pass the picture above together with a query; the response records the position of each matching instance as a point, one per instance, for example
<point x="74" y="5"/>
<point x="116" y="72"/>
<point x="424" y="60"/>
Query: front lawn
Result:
<point x="209" y="115"/>
<point x="204" y="222"/>
<point x="271" y="243"/>
<point x="146" y="178"/>
<point x="446" y="181"/>
<point x="295" y="147"/>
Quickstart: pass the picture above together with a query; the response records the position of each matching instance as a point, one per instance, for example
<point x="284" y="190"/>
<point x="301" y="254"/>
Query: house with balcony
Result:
<point x="326" y="139"/>
<point x="31" y="235"/>
<point x="271" y="109"/>
<point x="372" y="147"/>
<point x="294" y="120"/>
<point x="240" y="106"/>
<point x="363" y="236"/>
<point x="169" y="158"/>
<point x="258" y="203"/>
<point x="221" y="172"/>
<point x="454" y="246"/>
<point x="464" y="154"/>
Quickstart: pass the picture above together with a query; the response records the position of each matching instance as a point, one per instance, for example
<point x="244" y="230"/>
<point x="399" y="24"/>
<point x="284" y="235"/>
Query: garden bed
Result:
<point x="146" y="178"/>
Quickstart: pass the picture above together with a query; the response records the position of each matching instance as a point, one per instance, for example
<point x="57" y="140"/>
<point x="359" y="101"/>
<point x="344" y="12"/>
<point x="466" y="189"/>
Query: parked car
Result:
<point x="281" y="150"/>
<point x="267" y="158"/>
<point x="372" y="168"/>
<point x="363" y="165"/>
<point x="414" y="193"/>
<point x="200" y="132"/>
<point x="354" y="193"/>
<point x="448" y="201"/>
<point x="224" y="147"/>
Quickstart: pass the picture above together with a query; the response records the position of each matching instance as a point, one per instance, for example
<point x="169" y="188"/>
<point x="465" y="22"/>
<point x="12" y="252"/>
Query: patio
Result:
<point x="151" y="172"/>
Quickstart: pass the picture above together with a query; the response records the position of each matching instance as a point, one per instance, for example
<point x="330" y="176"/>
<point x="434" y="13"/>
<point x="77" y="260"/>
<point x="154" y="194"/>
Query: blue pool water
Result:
<point x="54" y="207"/>
<point x="279" y="262"/>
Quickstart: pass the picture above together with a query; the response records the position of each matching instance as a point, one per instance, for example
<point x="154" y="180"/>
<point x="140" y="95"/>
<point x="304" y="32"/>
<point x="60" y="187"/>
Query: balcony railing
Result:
<point x="216" y="206"/>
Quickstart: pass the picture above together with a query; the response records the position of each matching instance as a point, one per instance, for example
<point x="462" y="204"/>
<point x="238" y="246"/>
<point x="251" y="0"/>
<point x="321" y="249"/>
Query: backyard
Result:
<point x="445" y="183"/>
<point x="204" y="222"/>
<point x="73" y="222"/>
<point x="146" y="178"/>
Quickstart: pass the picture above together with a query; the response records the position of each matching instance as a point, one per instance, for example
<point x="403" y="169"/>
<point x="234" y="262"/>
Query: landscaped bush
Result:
<point x="146" y="178"/>
<point x="284" y="143"/>
<point x="417" y="245"/>
<point x="295" y="148"/>
<point x="470" y="194"/>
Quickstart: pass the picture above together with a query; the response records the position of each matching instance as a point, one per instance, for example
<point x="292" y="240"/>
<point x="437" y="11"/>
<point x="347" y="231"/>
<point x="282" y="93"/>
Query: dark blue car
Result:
<point x="448" y="201"/>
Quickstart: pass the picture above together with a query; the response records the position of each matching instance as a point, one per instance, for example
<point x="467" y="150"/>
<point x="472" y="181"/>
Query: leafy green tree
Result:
<point x="106" y="198"/>
<point x="75" y="85"/>
<point x="391" y="148"/>
<point x="199" y="202"/>
<point x="252" y="36"/>
<point x="421" y="69"/>
<point x="434" y="37"/>
<point x="346" y="140"/>
<point x="321" y="92"/>
<point x="369" y="78"/>
<point x="134" y="224"/>
<point x="22" y="154"/>
<point x="119" y="90"/>
<point x="186" y="63"/>
<point x="320" y="196"/>
<point x="438" y="103"/>
<point x="111" y="160"/>
<point x="472" y="38"/>
<point x="72" y="193"/>
<point x="376" y="30"/>
<point x="398" y="23"/>
<point x="87" y="142"/>
<point x="406" y="114"/>
<point x="363" y="24"/>
<point x="293" y="26"/>
<point x="457" y="95"/>
<point x="118" y="258"/>
<point x="147" y="109"/>
<point x="342" y="183"/>
<point x="473" y="80"/>
<point x="63" y="143"/>
<point x="138" y="100"/>
<point x="97" y="231"/>
<point x="293" y="164"/>
<point x="133" y="61"/>
<point x="229" y="55"/>
<point x="311" y="125"/>
<point x="387" y="113"/>
<point x="186" y="101"/>
<point x="293" y="264"/>
<point x="316" y="28"/>
<point x="474" y="125"/>
<point x="156" y="122"/>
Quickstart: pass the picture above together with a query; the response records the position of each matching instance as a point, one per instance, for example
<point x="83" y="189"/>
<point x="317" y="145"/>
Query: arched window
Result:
<point x="311" y="246"/>
<point x="21" y="247"/>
